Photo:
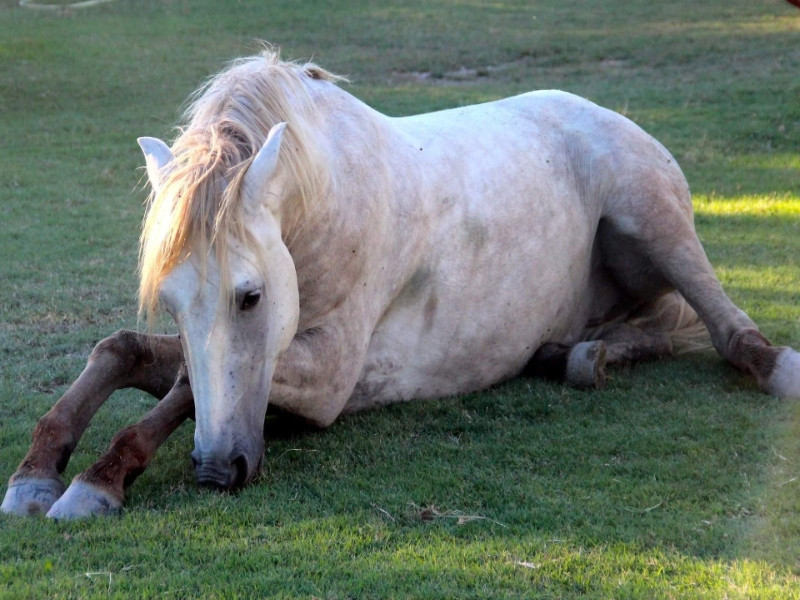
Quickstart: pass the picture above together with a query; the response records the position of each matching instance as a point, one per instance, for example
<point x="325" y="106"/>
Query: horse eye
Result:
<point x="250" y="299"/>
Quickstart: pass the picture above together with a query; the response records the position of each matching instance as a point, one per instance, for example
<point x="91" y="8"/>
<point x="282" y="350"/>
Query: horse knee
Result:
<point x="148" y="363"/>
<point x="118" y="353"/>
<point x="122" y="349"/>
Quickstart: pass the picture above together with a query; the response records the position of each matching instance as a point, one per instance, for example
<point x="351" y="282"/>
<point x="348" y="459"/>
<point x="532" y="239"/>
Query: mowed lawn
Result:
<point x="680" y="480"/>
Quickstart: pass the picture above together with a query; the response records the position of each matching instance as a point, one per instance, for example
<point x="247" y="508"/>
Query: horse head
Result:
<point x="236" y="310"/>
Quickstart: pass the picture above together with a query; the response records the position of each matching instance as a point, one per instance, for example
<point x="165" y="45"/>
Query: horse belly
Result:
<point x="475" y="311"/>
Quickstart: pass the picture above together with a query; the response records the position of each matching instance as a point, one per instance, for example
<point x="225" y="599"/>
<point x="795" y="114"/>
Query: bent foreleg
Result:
<point x="316" y="375"/>
<point x="100" y="490"/>
<point x="125" y="359"/>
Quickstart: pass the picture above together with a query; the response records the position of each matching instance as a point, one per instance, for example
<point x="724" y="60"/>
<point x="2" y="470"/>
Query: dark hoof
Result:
<point x="586" y="365"/>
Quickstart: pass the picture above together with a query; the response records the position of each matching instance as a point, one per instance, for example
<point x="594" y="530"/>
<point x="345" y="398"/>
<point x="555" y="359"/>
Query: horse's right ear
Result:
<point x="263" y="167"/>
<point x="157" y="155"/>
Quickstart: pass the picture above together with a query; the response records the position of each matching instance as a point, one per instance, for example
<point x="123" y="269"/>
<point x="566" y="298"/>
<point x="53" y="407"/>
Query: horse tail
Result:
<point x="672" y="315"/>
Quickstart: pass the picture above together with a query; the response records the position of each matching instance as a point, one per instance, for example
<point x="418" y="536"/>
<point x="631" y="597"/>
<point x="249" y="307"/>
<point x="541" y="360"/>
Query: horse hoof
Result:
<point x="82" y="500"/>
<point x="586" y="365"/>
<point x="31" y="496"/>
<point x="784" y="381"/>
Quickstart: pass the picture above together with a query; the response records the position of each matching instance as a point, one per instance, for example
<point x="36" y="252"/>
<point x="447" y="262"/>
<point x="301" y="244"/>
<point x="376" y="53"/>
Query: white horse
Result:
<point x="350" y="259"/>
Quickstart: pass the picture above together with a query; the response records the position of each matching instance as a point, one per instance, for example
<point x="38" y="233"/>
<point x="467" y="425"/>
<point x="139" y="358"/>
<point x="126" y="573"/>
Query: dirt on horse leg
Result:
<point x="125" y="359"/>
<point x="100" y="490"/>
<point x="627" y="344"/>
<point x="776" y="368"/>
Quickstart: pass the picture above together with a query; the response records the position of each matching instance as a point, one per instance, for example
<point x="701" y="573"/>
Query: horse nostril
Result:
<point x="239" y="471"/>
<point x="223" y="476"/>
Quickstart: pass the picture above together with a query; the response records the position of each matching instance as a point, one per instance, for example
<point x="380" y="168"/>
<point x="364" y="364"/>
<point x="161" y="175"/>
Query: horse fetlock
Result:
<point x="52" y="446"/>
<point x="83" y="499"/>
<point x="586" y="365"/>
<point x="27" y="496"/>
<point x="751" y="352"/>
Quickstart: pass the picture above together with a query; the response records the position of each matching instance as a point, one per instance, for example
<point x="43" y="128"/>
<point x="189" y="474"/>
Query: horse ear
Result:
<point x="262" y="167"/>
<point x="157" y="155"/>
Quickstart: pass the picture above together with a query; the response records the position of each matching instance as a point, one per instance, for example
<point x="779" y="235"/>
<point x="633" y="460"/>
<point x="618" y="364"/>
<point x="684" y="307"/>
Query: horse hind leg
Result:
<point x="584" y="364"/>
<point x="776" y="368"/>
<point x="125" y="359"/>
<point x="648" y="242"/>
<point x="661" y="328"/>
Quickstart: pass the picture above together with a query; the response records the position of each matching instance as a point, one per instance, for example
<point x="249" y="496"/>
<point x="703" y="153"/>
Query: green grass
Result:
<point x="680" y="480"/>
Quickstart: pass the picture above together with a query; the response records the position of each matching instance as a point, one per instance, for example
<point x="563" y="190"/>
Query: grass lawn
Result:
<point x="680" y="480"/>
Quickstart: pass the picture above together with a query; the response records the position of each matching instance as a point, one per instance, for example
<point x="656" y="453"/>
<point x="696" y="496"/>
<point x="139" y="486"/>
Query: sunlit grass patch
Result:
<point x="779" y="205"/>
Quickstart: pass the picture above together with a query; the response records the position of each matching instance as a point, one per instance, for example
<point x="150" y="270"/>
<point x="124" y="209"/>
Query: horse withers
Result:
<point x="321" y="257"/>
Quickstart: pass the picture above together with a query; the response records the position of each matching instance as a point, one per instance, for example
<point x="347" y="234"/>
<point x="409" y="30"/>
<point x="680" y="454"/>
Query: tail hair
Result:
<point x="672" y="315"/>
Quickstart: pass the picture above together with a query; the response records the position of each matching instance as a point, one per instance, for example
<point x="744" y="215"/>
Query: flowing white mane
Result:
<point x="197" y="201"/>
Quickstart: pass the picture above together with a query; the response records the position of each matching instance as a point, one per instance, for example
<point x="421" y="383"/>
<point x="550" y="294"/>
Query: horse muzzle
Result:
<point x="223" y="475"/>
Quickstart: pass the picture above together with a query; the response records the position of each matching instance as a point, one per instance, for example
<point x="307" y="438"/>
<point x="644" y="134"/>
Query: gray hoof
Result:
<point x="31" y="496"/>
<point x="784" y="381"/>
<point x="82" y="500"/>
<point x="586" y="365"/>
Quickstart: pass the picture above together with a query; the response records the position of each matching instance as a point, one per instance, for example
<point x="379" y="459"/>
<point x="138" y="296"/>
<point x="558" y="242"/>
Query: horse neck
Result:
<point x="343" y="236"/>
<point x="346" y="136"/>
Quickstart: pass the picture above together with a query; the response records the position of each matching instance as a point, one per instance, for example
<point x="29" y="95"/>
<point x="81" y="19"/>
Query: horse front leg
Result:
<point x="125" y="359"/>
<point x="316" y="375"/>
<point x="100" y="490"/>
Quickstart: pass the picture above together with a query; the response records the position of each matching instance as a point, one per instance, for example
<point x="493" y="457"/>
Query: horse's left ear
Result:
<point x="262" y="167"/>
<point x="157" y="155"/>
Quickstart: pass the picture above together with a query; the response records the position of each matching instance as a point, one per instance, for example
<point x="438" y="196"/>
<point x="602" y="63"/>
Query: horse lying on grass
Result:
<point x="348" y="260"/>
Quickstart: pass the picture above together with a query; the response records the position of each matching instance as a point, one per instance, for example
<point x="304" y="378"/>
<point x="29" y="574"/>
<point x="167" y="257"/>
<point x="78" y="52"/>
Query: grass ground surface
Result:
<point x="680" y="480"/>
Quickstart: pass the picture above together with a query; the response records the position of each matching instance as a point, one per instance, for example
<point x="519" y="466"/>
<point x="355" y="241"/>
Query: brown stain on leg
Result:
<point x="134" y="447"/>
<point x="124" y="359"/>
